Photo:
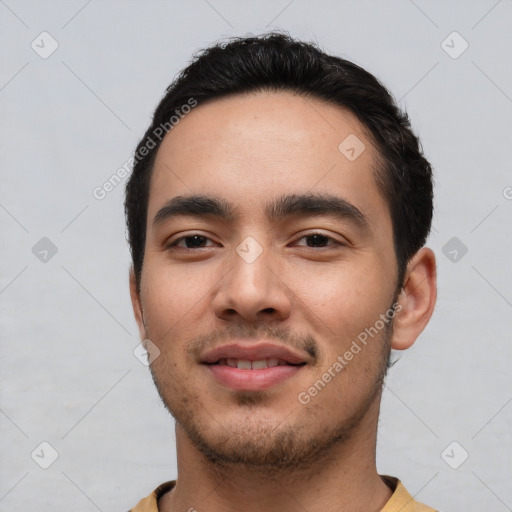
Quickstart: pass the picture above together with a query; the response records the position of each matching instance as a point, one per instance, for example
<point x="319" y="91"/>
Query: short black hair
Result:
<point x="276" y="62"/>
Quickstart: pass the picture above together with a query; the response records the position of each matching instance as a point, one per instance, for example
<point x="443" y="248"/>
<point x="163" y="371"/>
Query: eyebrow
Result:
<point x="302" y="205"/>
<point x="195" y="206"/>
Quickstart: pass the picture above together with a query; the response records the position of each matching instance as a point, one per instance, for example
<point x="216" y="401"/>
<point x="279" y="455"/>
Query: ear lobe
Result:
<point x="138" y="312"/>
<point x="416" y="300"/>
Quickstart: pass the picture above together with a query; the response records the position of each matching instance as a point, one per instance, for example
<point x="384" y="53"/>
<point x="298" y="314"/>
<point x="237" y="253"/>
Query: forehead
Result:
<point x="252" y="148"/>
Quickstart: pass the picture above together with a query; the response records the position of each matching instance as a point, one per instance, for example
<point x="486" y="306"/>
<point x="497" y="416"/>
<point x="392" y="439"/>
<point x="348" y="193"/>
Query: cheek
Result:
<point x="171" y="298"/>
<point x="342" y="301"/>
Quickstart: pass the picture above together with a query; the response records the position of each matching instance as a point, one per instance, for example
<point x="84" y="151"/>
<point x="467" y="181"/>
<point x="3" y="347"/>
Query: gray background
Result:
<point x="68" y="122"/>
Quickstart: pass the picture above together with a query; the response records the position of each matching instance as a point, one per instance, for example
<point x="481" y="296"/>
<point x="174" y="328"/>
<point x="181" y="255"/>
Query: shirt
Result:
<point x="400" y="501"/>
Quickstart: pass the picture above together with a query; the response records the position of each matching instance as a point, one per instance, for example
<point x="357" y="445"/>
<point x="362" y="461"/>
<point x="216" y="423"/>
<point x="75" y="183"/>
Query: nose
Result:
<point x="252" y="291"/>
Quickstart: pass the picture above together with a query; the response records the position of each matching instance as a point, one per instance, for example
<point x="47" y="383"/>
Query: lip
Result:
<point x="252" y="352"/>
<point x="252" y="380"/>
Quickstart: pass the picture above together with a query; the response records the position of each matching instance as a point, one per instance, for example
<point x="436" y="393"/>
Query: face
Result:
<point x="284" y="257"/>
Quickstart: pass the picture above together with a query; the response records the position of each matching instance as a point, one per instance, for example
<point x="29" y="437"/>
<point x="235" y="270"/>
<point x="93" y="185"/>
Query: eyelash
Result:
<point x="329" y="239"/>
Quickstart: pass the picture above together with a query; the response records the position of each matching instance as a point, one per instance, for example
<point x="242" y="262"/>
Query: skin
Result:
<point x="265" y="450"/>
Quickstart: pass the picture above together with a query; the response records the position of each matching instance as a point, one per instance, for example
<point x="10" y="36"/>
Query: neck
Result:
<point x="344" y="479"/>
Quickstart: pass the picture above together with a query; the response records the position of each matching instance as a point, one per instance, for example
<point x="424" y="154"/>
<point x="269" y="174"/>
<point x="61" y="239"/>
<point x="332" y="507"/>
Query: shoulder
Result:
<point x="401" y="500"/>
<point x="150" y="503"/>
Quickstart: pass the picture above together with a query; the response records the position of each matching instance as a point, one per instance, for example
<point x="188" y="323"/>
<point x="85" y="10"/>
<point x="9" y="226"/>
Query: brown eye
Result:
<point x="318" y="240"/>
<point x="191" y="242"/>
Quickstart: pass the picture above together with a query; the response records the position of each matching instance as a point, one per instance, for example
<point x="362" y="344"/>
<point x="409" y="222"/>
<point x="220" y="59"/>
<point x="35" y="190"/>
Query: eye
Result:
<point x="319" y="240"/>
<point x="191" y="242"/>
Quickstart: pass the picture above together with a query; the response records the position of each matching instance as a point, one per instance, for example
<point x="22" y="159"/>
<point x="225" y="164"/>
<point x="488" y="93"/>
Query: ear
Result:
<point x="416" y="300"/>
<point x="137" y="306"/>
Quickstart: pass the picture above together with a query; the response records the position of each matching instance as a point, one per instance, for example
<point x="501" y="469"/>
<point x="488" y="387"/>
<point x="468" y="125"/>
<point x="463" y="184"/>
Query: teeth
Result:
<point x="244" y="364"/>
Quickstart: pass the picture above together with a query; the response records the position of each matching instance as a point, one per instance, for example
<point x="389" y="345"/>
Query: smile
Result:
<point x="245" y="364"/>
<point x="246" y="375"/>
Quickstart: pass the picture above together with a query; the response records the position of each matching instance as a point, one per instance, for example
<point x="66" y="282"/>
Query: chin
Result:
<point x="266" y="442"/>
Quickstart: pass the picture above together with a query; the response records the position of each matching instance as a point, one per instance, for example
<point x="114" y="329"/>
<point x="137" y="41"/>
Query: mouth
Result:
<point x="252" y="375"/>
<point x="261" y="364"/>
<point x="245" y="367"/>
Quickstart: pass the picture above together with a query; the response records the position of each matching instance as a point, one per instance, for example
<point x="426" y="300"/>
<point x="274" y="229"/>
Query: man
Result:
<point x="277" y="213"/>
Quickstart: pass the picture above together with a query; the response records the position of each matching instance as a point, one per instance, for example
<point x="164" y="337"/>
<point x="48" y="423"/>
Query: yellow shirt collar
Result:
<point x="400" y="501"/>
